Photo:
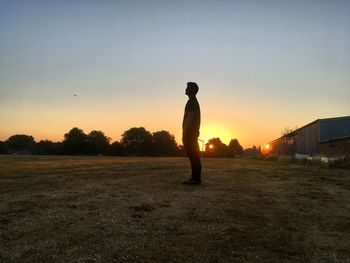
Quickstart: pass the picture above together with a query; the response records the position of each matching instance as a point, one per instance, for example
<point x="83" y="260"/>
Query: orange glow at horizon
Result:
<point x="210" y="131"/>
<point x="267" y="149"/>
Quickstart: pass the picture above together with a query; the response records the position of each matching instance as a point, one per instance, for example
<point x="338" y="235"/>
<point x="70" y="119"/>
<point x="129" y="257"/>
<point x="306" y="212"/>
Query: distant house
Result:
<point x="251" y="152"/>
<point x="326" y="137"/>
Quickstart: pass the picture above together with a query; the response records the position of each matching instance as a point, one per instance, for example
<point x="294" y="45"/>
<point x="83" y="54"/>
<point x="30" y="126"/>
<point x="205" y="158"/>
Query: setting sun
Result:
<point x="215" y="130"/>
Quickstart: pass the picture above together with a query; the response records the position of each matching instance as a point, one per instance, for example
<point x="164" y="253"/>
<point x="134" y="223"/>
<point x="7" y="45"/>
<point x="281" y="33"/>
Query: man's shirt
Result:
<point x="192" y="105"/>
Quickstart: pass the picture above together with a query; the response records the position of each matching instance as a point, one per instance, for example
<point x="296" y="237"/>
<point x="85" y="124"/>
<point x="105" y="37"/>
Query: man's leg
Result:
<point x="193" y="154"/>
<point x="195" y="161"/>
<point x="196" y="169"/>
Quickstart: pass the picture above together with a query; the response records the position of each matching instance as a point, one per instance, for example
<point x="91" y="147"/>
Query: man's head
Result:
<point x="192" y="89"/>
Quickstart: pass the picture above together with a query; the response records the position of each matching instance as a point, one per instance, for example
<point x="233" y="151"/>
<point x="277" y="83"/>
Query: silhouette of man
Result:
<point x="190" y="132"/>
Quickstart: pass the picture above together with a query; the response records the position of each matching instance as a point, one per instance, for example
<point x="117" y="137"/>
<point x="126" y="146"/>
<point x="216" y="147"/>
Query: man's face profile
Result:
<point x="189" y="90"/>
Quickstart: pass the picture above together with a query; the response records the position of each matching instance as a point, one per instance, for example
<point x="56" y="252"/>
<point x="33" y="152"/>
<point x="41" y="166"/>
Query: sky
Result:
<point x="261" y="66"/>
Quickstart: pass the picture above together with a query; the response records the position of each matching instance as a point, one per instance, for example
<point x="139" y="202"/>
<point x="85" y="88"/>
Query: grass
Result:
<point x="107" y="209"/>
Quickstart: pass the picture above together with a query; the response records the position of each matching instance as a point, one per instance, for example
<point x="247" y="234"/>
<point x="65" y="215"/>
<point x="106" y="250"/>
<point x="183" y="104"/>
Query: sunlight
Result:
<point x="210" y="131"/>
<point x="267" y="149"/>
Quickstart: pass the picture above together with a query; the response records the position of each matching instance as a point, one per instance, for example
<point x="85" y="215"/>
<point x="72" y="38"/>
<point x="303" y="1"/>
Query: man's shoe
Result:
<point x="192" y="182"/>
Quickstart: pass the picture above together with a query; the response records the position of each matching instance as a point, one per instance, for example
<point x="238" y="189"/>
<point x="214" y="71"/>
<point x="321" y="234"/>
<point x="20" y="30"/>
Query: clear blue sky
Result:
<point x="260" y="66"/>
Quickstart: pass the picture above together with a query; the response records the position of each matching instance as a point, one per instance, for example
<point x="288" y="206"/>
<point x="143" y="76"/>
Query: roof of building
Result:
<point x="330" y="129"/>
<point x="334" y="128"/>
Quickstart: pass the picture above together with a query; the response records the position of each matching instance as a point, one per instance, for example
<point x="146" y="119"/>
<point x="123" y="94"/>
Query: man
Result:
<point x="190" y="132"/>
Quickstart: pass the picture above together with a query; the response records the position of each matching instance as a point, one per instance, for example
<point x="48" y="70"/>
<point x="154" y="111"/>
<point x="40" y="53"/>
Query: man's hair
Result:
<point x="193" y="86"/>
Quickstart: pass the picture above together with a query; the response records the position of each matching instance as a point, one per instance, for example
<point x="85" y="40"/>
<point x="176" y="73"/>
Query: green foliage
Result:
<point x="3" y="149"/>
<point x="97" y="142"/>
<point x="164" y="144"/>
<point x="49" y="147"/>
<point x="234" y="148"/>
<point x="75" y="142"/>
<point x="215" y="148"/>
<point x="137" y="141"/>
<point x="21" y="143"/>
<point x="116" y="149"/>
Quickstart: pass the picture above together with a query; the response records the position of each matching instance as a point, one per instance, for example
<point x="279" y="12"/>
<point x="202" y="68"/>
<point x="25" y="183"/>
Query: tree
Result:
<point x="234" y="148"/>
<point x="49" y="147"/>
<point x="137" y="141"/>
<point x="215" y="148"/>
<point x="288" y="130"/>
<point x="45" y="147"/>
<point x="98" y="142"/>
<point x="57" y="148"/>
<point x="75" y="142"/>
<point x="21" y="143"/>
<point x="3" y="149"/>
<point x="116" y="149"/>
<point x="164" y="144"/>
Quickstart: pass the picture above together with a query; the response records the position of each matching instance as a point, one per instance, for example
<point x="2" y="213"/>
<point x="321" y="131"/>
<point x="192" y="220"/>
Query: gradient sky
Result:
<point x="260" y="65"/>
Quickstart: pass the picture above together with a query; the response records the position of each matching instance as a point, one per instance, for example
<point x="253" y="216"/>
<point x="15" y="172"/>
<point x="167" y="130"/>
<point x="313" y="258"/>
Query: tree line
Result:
<point x="136" y="141"/>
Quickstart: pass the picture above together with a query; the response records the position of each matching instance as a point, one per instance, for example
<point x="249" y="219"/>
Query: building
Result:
<point x="251" y="152"/>
<point x="326" y="137"/>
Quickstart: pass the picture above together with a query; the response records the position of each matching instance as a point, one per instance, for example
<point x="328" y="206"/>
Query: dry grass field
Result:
<point x="109" y="209"/>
